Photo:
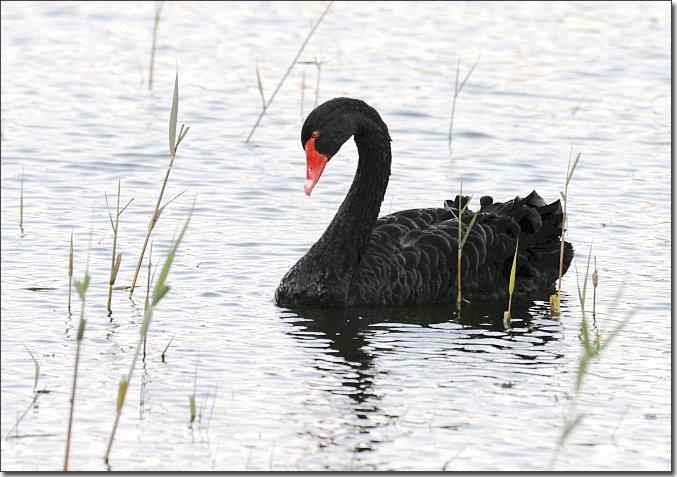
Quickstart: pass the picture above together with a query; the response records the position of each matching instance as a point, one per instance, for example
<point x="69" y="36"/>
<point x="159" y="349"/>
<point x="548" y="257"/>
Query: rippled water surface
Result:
<point x="408" y="389"/>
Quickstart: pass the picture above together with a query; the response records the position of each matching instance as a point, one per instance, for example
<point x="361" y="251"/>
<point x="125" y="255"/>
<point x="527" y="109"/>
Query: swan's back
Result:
<point x="411" y="255"/>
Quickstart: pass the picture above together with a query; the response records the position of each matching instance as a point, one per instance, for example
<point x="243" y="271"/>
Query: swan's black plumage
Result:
<point x="409" y="257"/>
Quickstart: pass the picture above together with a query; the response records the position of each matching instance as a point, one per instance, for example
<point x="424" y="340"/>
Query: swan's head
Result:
<point x="325" y="130"/>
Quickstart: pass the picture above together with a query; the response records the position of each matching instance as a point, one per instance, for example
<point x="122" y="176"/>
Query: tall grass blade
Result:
<point x="260" y="85"/>
<point x="173" y="116"/>
<point x="507" y="317"/>
<point x="158" y="206"/>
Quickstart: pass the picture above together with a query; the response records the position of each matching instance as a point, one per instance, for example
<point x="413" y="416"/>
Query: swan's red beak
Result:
<point x="315" y="163"/>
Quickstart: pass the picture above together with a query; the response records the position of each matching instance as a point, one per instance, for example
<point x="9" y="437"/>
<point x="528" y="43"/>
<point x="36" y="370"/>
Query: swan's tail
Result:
<point x="540" y="231"/>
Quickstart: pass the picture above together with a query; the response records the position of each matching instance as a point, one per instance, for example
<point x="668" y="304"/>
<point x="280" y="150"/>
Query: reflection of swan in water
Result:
<point x="361" y="339"/>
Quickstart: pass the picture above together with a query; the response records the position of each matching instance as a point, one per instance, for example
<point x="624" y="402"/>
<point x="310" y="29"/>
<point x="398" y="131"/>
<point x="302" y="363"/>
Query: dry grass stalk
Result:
<point x="318" y="69"/>
<point x="303" y="92"/>
<point x="461" y="243"/>
<point x="70" y="273"/>
<point x="191" y="399"/>
<point x="173" y="146"/>
<point x="595" y="281"/>
<point x="116" y="259"/>
<point x="156" y="23"/>
<point x="555" y="298"/>
<point x="507" y="317"/>
<point x="457" y="91"/>
<point x="146" y="303"/>
<point x="164" y="351"/>
<point x="259" y="83"/>
<point x="21" y="205"/>
<point x="266" y="104"/>
<point x="36" y="394"/>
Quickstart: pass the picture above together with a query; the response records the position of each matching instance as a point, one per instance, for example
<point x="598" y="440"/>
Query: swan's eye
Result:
<point x="315" y="134"/>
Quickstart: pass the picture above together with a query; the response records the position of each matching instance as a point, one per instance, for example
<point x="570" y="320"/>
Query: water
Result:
<point x="413" y="389"/>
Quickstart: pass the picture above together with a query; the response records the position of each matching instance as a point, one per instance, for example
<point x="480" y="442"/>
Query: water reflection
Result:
<point x="359" y="347"/>
<point x="348" y="330"/>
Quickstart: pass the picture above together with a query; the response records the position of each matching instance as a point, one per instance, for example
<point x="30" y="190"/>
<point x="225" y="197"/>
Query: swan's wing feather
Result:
<point x="411" y="257"/>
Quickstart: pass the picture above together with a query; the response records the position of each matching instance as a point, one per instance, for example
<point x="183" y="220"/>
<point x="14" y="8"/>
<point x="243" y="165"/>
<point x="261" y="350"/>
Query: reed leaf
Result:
<point x="513" y="270"/>
<point x="182" y="134"/>
<point x="161" y="288"/>
<point x="583" y="293"/>
<point x="173" y="115"/>
<point x="82" y="286"/>
<point x="116" y="268"/>
<point x="193" y="410"/>
<point x="122" y="393"/>
<point x="158" y="206"/>
<point x="570" y="173"/>
<point x="467" y="232"/>
<point x="260" y="85"/>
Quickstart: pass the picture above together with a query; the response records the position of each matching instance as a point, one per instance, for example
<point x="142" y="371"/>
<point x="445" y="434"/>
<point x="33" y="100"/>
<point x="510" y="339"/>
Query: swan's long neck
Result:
<point x="349" y="231"/>
<point x="337" y="253"/>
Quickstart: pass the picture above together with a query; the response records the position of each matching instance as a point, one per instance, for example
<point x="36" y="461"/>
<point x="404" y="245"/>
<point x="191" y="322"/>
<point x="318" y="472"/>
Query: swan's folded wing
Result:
<point x="412" y="255"/>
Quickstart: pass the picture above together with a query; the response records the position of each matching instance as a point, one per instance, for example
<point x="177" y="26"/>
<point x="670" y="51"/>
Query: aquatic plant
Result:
<point x="156" y="23"/>
<point x="191" y="399"/>
<point x="115" y="259"/>
<point x="164" y="351"/>
<point x="81" y="287"/>
<point x="595" y="282"/>
<point x="507" y="317"/>
<point x="36" y="394"/>
<point x="159" y="292"/>
<point x="173" y="146"/>
<point x="555" y="298"/>
<point x="146" y="302"/>
<point x="462" y="238"/>
<point x="457" y="91"/>
<point x="21" y="204"/>
<point x="70" y="273"/>
<point x="592" y="348"/>
<point x="318" y="69"/>
<point x="266" y="104"/>
<point x="303" y="93"/>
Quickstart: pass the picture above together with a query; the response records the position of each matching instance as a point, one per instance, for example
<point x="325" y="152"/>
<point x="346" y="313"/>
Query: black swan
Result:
<point x="409" y="257"/>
